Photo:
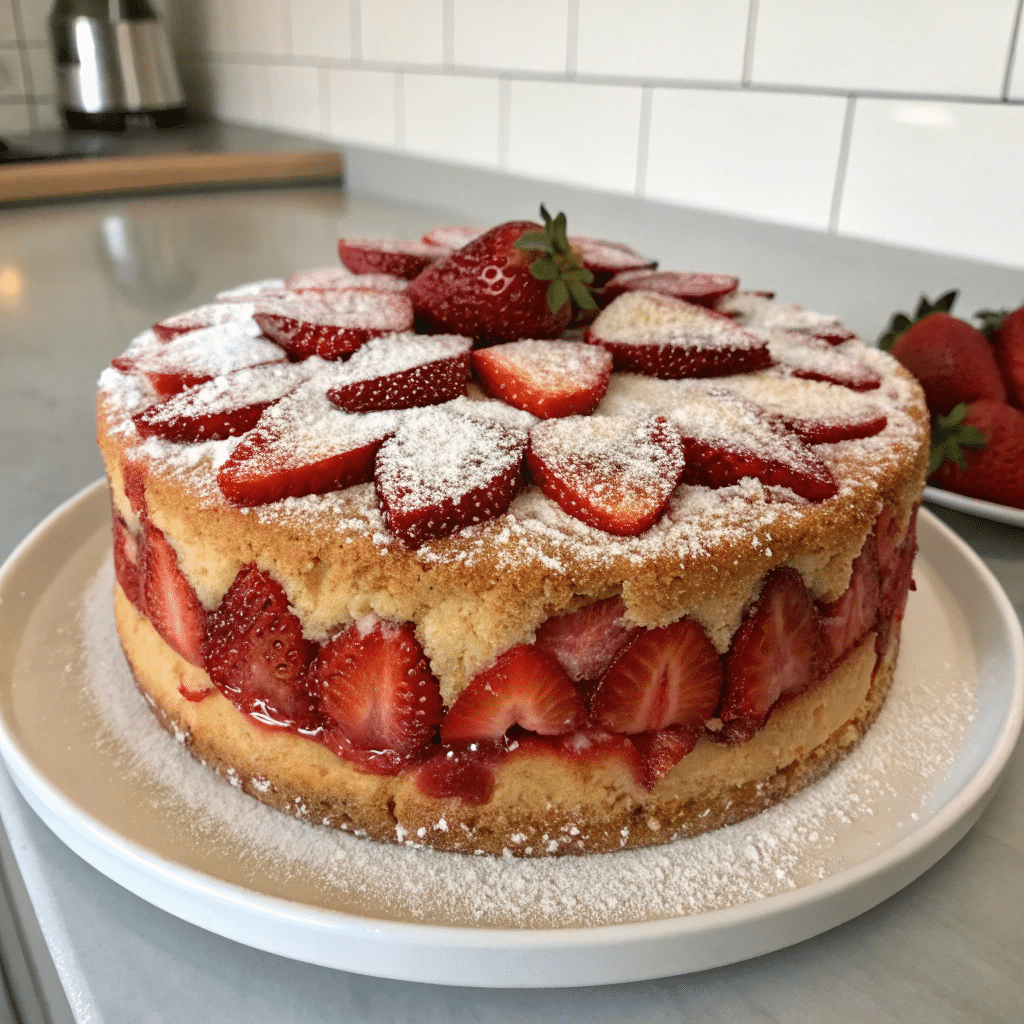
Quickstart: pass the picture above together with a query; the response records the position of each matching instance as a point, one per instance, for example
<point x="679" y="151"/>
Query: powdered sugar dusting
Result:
<point x="881" y="791"/>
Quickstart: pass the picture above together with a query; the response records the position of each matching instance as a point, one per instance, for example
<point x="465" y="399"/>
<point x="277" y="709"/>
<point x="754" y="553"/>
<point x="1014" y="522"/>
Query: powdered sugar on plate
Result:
<point x="879" y="793"/>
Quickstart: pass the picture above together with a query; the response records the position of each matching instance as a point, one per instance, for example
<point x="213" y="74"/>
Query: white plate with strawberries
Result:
<point x="88" y="756"/>
<point x="975" y="506"/>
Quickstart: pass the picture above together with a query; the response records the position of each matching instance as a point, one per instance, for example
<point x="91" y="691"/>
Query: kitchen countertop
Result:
<point x="78" y="281"/>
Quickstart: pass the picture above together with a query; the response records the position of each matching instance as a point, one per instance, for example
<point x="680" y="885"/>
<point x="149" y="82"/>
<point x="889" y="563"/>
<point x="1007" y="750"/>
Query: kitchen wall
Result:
<point x="26" y="70"/>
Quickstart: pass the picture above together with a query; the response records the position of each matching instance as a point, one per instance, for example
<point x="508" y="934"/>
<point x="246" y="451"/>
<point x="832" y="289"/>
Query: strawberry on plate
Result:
<point x="776" y="652"/>
<point x="664" y="677"/>
<point x="303" y="445"/>
<point x="339" y="279"/>
<point x="660" y="751"/>
<point x="452" y="237"/>
<point x="700" y="289"/>
<point x="978" y="450"/>
<point x="813" y="359"/>
<point x="832" y="429"/>
<point x="445" y="469"/>
<point x="614" y="473"/>
<point x="170" y="602"/>
<point x="848" y="619"/>
<point x="206" y="316"/>
<point x="586" y="642"/>
<point x="332" y="325"/>
<point x="402" y="371"/>
<point x="606" y="259"/>
<point x="526" y="686"/>
<point x="256" y="655"/>
<point x="127" y="560"/>
<point x="381" y="701"/>
<point x="546" y="378"/>
<point x="1005" y="329"/>
<point x="517" y="280"/>
<point x="662" y="336"/>
<point x="387" y="256"/>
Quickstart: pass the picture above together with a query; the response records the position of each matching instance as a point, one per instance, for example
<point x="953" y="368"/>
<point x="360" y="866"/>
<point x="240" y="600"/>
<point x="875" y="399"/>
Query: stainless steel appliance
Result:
<point x="114" y="64"/>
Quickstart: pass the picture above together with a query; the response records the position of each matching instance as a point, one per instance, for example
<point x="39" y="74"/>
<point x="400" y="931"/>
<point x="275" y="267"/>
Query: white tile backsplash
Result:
<point x="585" y="134"/>
<point x="452" y="118"/>
<point x="941" y="176"/>
<point x="12" y="78"/>
<point x="321" y="28"/>
<point x="263" y="26"/>
<point x="920" y="46"/>
<point x="362" y="107"/>
<point x="8" y="28"/>
<point x="294" y="95"/>
<point x="14" y="118"/>
<point x="764" y="155"/>
<point x="1016" y="90"/>
<point x="519" y="35"/>
<point x="681" y="39"/>
<point x="33" y="19"/>
<point x="402" y="31"/>
<point x="41" y="71"/>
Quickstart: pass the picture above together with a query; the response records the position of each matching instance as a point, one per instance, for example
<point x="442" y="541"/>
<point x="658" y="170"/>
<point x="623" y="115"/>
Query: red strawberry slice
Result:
<point x="376" y="688"/>
<point x="386" y="256"/>
<point x="127" y="561"/>
<point x="197" y="357"/>
<point x="614" y="473"/>
<point x="526" y="687"/>
<point x="303" y="445"/>
<point x="443" y="470"/>
<point x="776" y="652"/>
<point x="816" y="430"/>
<point x="452" y="237"/>
<point x="463" y="774"/>
<point x="848" y="619"/>
<point x="256" y="654"/>
<point x="812" y="359"/>
<point x="666" y="676"/>
<point x="587" y="641"/>
<point x="897" y="580"/>
<point x="1008" y="341"/>
<point x="171" y="603"/>
<point x="662" y="336"/>
<point x="333" y="324"/>
<point x="203" y="316"/>
<point x="339" y="279"/>
<point x="546" y="378"/>
<point x="606" y="259"/>
<point x="223" y="407"/>
<point x="517" y="280"/>
<point x="700" y="289"/>
<point x="662" y="750"/>
<point x="245" y="292"/>
<point x="402" y="371"/>
<point x="756" y="310"/>
<point x="133" y="470"/>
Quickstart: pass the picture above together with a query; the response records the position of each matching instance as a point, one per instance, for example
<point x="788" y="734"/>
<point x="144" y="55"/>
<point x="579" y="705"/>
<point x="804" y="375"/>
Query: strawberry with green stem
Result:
<point x="925" y="307"/>
<point x="1004" y="328"/>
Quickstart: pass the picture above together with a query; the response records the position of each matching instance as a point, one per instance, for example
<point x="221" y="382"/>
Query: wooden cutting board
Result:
<point x="91" y="175"/>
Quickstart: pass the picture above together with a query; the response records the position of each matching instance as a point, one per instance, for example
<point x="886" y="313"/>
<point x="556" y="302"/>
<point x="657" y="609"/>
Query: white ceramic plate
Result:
<point x="975" y="506"/>
<point x="90" y="760"/>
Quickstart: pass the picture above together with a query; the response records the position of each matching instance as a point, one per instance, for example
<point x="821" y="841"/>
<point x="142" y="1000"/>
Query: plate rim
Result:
<point x="990" y="510"/>
<point x="914" y="852"/>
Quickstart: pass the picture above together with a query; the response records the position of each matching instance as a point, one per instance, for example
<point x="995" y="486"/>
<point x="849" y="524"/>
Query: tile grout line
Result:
<point x="1012" y="56"/>
<point x="748" y="44"/>
<point x="643" y="139"/>
<point x="841" y="165"/>
<point x="572" y="28"/>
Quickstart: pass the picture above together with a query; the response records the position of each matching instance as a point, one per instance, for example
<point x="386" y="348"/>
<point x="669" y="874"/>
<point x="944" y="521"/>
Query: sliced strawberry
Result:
<point x="245" y="292"/>
<point x="587" y="641"/>
<point x="454" y="237"/>
<point x="525" y="686"/>
<point x="1007" y="335"/>
<point x="385" y="256"/>
<point x="127" y="561"/>
<point x="376" y="688"/>
<point x="606" y="259"/>
<point x="443" y="471"/>
<point x="897" y="580"/>
<point x="546" y="378"/>
<point x="700" y="289"/>
<point x="256" y="655"/>
<point x="171" y="604"/>
<point x="848" y="619"/>
<point x="197" y="357"/>
<point x="757" y="311"/>
<point x="777" y="651"/>
<point x="813" y="359"/>
<point x="203" y="316"/>
<point x="303" y="445"/>
<point x="223" y="407"/>
<point x="666" y="676"/>
<point x="816" y="430"/>
<point x="665" y="337"/>
<point x="662" y="750"/>
<point x="402" y="371"/>
<point x="463" y="774"/>
<point x="133" y="470"/>
<point x="339" y="279"/>
<point x="614" y="473"/>
<point x="332" y="324"/>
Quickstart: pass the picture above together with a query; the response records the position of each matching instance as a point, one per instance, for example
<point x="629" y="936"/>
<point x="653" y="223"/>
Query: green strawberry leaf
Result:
<point x="580" y="294"/>
<point x="544" y="269"/>
<point x="925" y="307"/>
<point x="950" y="435"/>
<point x="558" y="262"/>
<point x="558" y="295"/>
<point x="991" y="320"/>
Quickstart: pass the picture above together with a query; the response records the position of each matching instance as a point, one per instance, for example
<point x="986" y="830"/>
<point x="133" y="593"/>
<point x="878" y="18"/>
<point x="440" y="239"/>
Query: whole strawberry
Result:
<point x="978" y="450"/>
<point x="518" y="280"/>
<point x="1005" y="329"/>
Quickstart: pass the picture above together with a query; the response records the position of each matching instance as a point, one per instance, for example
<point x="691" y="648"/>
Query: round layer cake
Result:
<point x="585" y="589"/>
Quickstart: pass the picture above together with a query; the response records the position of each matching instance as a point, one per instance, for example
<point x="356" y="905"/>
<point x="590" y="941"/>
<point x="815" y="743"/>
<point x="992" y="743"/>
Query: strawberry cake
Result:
<point x="405" y="549"/>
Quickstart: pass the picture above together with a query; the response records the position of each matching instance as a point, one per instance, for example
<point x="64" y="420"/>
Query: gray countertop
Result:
<point x="77" y="281"/>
